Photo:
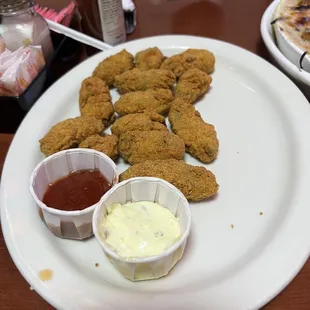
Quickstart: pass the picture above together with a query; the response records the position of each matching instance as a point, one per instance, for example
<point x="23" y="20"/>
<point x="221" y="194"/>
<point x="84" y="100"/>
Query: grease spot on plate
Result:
<point x="46" y="275"/>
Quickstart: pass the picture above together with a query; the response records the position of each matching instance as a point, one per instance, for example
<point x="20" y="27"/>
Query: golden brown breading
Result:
<point x="138" y="146"/>
<point x="69" y="134"/>
<point x="200" y="59"/>
<point x="199" y="137"/>
<point x="192" y="84"/>
<point x="114" y="65"/>
<point x="150" y="58"/>
<point x="98" y="107"/>
<point x="136" y="79"/>
<point x="140" y="122"/>
<point x="93" y="86"/>
<point x="196" y="183"/>
<point x="158" y="101"/>
<point x="106" y="144"/>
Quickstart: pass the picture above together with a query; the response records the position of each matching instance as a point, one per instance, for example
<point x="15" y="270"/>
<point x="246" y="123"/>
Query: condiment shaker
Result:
<point x="20" y="25"/>
<point x="112" y="21"/>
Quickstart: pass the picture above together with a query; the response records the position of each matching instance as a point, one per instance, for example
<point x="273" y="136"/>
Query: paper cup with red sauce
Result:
<point x="62" y="217"/>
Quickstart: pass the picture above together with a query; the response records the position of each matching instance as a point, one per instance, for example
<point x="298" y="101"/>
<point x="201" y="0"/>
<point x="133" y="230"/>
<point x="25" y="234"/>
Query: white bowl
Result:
<point x="300" y="77"/>
<point x="145" y="189"/>
<point x="290" y="50"/>
<point x="69" y="224"/>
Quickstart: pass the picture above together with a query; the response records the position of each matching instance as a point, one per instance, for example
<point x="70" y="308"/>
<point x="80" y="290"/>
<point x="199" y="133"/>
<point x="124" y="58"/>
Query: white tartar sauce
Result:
<point x="139" y="229"/>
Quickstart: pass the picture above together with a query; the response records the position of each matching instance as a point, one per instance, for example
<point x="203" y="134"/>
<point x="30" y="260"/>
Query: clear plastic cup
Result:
<point x="69" y="224"/>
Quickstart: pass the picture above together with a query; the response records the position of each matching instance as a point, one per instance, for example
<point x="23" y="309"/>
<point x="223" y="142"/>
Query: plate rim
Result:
<point x="22" y="267"/>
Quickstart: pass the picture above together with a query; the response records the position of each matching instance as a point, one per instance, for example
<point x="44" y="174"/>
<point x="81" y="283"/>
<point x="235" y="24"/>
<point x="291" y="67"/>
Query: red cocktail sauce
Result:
<point x="76" y="191"/>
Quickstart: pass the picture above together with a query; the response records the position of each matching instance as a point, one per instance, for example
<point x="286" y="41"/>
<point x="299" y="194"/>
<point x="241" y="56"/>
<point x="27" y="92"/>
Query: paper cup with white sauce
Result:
<point x="145" y="189"/>
<point x="69" y="224"/>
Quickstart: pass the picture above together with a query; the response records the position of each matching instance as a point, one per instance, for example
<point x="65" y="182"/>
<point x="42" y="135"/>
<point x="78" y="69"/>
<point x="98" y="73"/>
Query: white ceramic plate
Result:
<point x="263" y="124"/>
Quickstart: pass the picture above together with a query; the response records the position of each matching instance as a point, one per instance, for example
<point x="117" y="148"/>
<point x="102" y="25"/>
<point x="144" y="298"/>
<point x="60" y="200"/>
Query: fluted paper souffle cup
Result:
<point x="145" y="189"/>
<point x="69" y="224"/>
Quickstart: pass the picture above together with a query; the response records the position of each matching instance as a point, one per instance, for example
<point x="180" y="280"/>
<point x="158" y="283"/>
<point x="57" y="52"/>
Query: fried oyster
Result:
<point x="69" y="134"/>
<point x="200" y="59"/>
<point x="199" y="137"/>
<point x="150" y="58"/>
<point x="196" y="183"/>
<point x="135" y="80"/>
<point x="95" y="100"/>
<point x="192" y="84"/>
<point x="158" y="100"/>
<point x="139" y="122"/>
<point x="105" y="144"/>
<point x="138" y="146"/>
<point x="113" y="66"/>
